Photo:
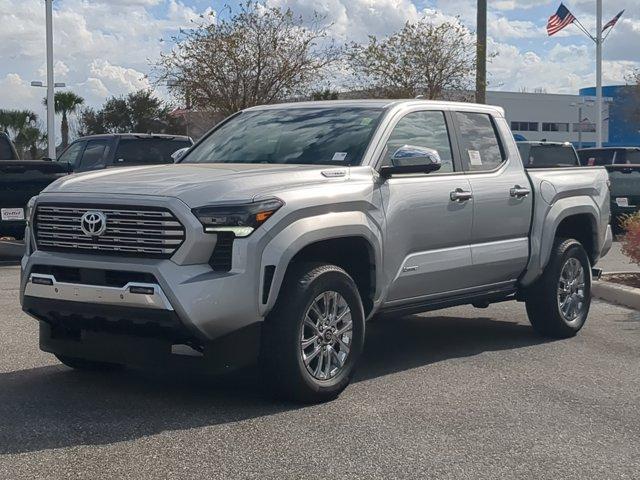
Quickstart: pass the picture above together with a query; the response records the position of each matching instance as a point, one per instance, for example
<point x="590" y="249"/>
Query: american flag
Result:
<point x="559" y="20"/>
<point x="613" y="21"/>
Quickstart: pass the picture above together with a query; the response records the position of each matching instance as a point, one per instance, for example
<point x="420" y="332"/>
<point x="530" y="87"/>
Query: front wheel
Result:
<point x="313" y="338"/>
<point x="558" y="303"/>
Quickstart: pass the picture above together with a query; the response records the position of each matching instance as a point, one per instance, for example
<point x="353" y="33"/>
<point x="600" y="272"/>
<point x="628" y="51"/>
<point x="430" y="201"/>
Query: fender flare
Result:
<point x="543" y="234"/>
<point x="283" y="246"/>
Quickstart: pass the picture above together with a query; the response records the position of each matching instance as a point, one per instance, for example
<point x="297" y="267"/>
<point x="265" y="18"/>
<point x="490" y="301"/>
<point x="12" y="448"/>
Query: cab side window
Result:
<point x="95" y="154"/>
<point x="72" y="154"/>
<point x="479" y="141"/>
<point x="426" y="129"/>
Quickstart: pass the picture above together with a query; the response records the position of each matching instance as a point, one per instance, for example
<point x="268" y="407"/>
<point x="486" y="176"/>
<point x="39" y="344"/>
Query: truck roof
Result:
<point x="384" y="104"/>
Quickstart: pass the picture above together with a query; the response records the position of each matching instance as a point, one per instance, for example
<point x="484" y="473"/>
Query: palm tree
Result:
<point x="30" y="139"/>
<point x="65" y="103"/>
<point x="15" y="121"/>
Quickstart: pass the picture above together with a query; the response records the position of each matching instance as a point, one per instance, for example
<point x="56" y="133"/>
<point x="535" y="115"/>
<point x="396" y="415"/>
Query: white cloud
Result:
<point x="118" y="79"/>
<point x="104" y="47"/>
<point x="20" y="94"/>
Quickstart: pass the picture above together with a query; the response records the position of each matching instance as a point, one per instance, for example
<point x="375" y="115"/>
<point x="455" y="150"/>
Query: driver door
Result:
<point x="427" y="251"/>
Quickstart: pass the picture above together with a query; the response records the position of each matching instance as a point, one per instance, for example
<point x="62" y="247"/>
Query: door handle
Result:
<point x="460" y="195"/>
<point x="519" y="192"/>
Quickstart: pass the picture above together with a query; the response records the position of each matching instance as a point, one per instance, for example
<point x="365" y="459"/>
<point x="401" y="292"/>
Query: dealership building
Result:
<point x="568" y="118"/>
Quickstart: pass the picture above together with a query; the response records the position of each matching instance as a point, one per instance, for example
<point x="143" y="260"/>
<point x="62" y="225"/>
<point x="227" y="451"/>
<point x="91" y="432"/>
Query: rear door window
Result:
<point x="479" y="142"/>
<point x="141" y="151"/>
<point x="95" y="154"/>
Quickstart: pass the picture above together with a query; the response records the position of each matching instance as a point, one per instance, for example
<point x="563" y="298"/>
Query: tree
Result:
<point x="629" y="100"/>
<point x="65" y="103"/>
<point x="138" y="112"/>
<point x="436" y="61"/>
<point x="22" y="127"/>
<point x="30" y="140"/>
<point x="258" y="55"/>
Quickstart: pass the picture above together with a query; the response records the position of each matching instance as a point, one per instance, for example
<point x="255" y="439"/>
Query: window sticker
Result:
<point x="339" y="156"/>
<point x="365" y="121"/>
<point x="474" y="157"/>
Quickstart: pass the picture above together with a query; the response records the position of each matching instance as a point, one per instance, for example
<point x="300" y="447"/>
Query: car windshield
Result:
<point x="312" y="136"/>
<point x="545" y="156"/>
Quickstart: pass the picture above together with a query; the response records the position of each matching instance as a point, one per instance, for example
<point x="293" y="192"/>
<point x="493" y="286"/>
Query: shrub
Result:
<point x="631" y="238"/>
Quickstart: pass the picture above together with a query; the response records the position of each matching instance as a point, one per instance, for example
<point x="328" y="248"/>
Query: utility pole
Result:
<point x="51" y="132"/>
<point x="599" y="73"/>
<point x="481" y="52"/>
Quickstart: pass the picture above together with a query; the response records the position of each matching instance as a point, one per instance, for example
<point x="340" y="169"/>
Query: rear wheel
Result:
<point x="314" y="336"/>
<point x="558" y="303"/>
<point x="89" y="365"/>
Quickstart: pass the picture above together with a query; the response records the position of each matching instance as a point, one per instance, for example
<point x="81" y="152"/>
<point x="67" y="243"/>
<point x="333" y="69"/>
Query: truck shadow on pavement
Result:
<point x="54" y="407"/>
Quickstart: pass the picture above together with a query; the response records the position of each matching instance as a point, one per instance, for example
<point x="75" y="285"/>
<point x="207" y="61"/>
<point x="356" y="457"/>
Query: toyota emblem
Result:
<point x="93" y="223"/>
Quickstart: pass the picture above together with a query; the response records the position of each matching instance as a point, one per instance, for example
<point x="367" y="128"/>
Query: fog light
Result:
<point x="142" y="290"/>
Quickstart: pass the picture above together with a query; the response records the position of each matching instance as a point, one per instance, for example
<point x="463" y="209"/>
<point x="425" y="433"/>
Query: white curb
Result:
<point x="616" y="293"/>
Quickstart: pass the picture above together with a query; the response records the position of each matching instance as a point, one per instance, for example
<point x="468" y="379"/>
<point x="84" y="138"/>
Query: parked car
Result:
<point x="19" y="181"/>
<point x="543" y="154"/>
<point x="96" y="152"/>
<point x="606" y="156"/>
<point x="623" y="164"/>
<point x="288" y="226"/>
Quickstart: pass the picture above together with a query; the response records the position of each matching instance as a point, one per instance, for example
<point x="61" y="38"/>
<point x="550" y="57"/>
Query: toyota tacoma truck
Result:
<point x="287" y="227"/>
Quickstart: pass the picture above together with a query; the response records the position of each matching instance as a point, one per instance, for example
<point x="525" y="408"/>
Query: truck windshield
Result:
<point x="548" y="156"/>
<point x="312" y="136"/>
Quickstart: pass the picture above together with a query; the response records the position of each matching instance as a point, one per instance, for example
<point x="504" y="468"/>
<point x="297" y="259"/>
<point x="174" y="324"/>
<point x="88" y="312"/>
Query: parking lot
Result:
<point x="459" y="393"/>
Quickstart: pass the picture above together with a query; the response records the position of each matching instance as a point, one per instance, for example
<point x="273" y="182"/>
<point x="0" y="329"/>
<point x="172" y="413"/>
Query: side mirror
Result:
<point x="178" y="154"/>
<point x="47" y="159"/>
<point x="412" y="159"/>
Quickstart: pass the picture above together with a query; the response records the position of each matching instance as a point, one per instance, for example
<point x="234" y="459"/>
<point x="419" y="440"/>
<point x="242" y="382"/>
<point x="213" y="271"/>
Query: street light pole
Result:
<point x="599" y="73"/>
<point x="579" y="125"/>
<point x="481" y="52"/>
<point x="51" y="132"/>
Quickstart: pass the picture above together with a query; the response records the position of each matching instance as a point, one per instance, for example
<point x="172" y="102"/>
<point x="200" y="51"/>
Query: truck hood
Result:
<point x="197" y="184"/>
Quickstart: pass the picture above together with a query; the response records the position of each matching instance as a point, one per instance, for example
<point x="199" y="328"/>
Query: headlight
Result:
<point x="29" y="210"/>
<point x="242" y="220"/>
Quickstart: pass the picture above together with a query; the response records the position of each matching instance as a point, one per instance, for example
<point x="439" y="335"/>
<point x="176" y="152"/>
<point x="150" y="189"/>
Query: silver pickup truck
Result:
<point x="285" y="228"/>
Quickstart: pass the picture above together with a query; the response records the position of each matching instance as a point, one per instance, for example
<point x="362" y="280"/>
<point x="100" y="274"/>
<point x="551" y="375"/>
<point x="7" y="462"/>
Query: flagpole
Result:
<point x="599" y="73"/>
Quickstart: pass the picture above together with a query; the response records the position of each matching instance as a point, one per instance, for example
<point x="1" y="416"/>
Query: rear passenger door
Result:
<point x="502" y="198"/>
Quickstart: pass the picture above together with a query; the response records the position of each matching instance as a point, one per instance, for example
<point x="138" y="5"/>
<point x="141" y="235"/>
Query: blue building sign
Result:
<point x="622" y="132"/>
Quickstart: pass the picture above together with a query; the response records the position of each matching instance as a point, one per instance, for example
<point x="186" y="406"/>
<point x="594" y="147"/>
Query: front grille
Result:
<point x="139" y="231"/>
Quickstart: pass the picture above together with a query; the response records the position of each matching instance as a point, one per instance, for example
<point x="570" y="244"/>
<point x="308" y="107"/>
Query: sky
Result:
<point x="106" y="47"/>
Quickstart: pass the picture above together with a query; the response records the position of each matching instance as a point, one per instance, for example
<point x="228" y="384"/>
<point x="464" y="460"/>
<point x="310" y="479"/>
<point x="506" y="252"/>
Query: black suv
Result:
<point x="96" y="152"/>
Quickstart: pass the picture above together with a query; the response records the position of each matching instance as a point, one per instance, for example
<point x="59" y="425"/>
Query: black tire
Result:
<point x="281" y="355"/>
<point x="88" y="365"/>
<point x="543" y="304"/>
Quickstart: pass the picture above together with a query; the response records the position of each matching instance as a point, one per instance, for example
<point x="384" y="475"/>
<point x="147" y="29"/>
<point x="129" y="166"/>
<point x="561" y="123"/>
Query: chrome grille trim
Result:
<point x="145" y="231"/>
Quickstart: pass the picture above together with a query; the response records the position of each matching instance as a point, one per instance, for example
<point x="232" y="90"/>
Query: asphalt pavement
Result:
<point x="461" y="393"/>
